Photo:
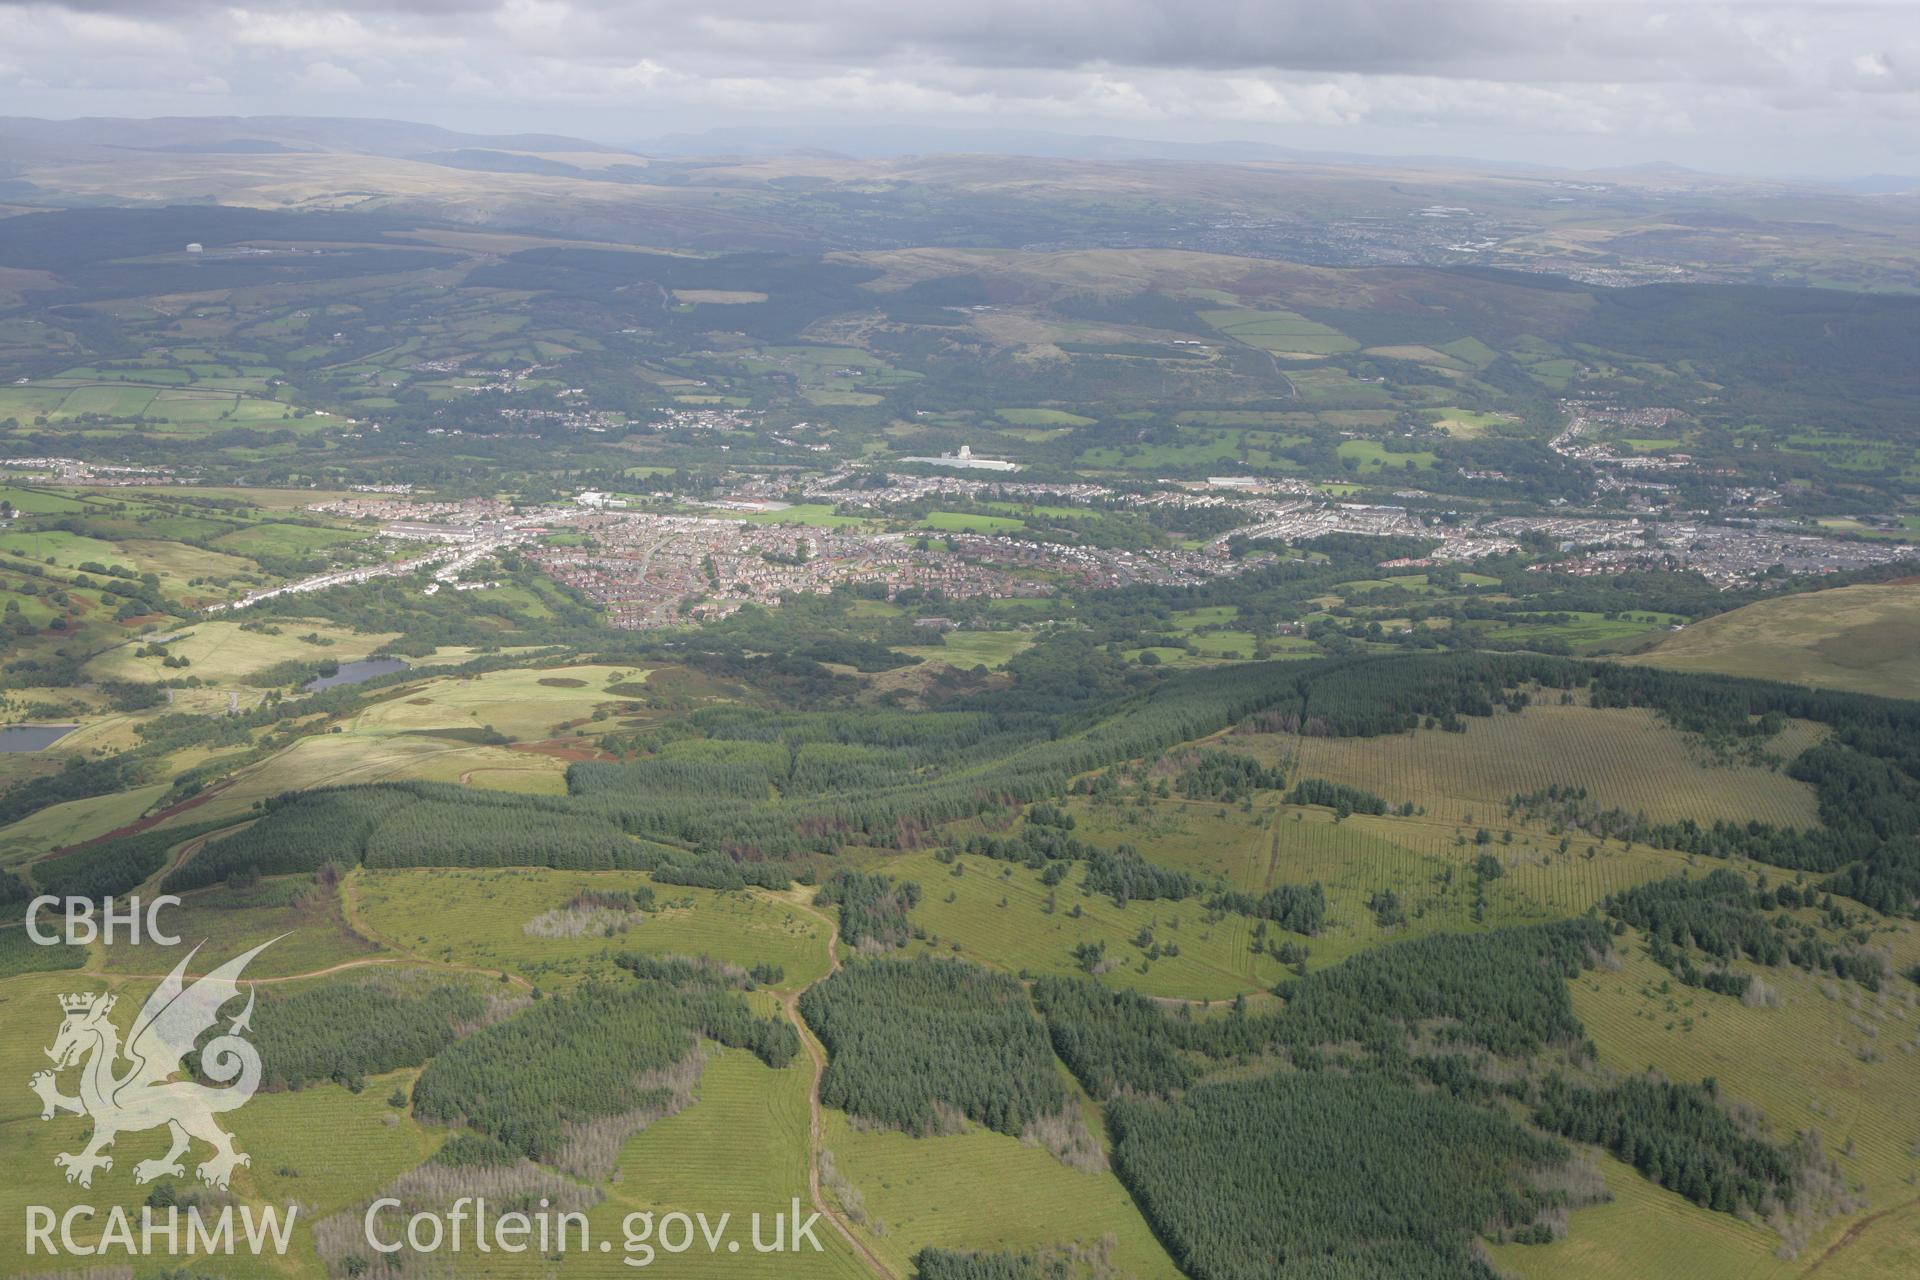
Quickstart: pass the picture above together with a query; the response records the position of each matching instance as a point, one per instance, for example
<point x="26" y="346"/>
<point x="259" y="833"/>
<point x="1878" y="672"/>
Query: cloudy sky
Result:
<point x="1761" y="86"/>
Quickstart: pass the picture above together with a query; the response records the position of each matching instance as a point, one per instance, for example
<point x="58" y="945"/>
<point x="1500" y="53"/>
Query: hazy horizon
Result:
<point x="887" y="141"/>
<point x="1824" y="88"/>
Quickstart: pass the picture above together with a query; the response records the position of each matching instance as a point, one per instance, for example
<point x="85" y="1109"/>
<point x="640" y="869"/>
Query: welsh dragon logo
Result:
<point x="145" y="1095"/>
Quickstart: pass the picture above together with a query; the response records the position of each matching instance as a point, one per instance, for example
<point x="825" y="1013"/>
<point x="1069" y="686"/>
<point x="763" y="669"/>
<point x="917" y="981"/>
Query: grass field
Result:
<point x="1905" y="530"/>
<point x="1215" y="962"/>
<point x="176" y="562"/>
<point x="323" y="1148"/>
<point x="64" y="549"/>
<point x="326" y="1147"/>
<point x="988" y="1191"/>
<point x="1471" y="351"/>
<point x="1215" y="646"/>
<point x="1627" y="758"/>
<point x="1225" y="644"/>
<point x="1646" y="1230"/>
<point x="1370" y="455"/>
<point x="1887" y="1243"/>
<point x="969" y="522"/>
<point x="496" y="768"/>
<point x="479" y="918"/>
<point x="1283" y="331"/>
<point x="1416" y="353"/>
<point x="1831" y="1057"/>
<point x="1465" y="424"/>
<point x="74" y="821"/>
<point x="35" y="501"/>
<point x="274" y="538"/>
<point x="741" y="1148"/>
<point x="816" y="515"/>
<point x="1585" y="631"/>
<point x="1861" y="638"/>
<point x="1424" y="861"/>
<point x="28" y="1004"/>
<point x="967" y="649"/>
<point x="306" y="919"/>
<point x="192" y="400"/>
<point x="223" y="654"/>
<point x="513" y="702"/>
<point x="338" y="760"/>
<point x="1417" y="583"/>
<point x="831" y="375"/>
<point x="1042" y="418"/>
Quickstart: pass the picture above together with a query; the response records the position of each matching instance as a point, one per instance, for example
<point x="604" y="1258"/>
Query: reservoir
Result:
<point x="33" y="737"/>
<point x="354" y="673"/>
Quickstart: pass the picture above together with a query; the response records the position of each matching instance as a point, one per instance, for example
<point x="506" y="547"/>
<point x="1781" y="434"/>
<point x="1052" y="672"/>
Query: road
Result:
<point x="818" y="1055"/>
<point x="1293" y="392"/>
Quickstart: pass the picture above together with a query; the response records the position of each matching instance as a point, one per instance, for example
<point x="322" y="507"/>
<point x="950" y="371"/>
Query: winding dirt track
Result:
<point x="817" y="1054"/>
<point x="1853" y="1233"/>
<point x="401" y="955"/>
<point x="362" y="963"/>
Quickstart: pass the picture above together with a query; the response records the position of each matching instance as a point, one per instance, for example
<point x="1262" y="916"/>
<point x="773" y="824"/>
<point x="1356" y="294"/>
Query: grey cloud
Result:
<point x="1629" y="40"/>
<point x="1713" y="81"/>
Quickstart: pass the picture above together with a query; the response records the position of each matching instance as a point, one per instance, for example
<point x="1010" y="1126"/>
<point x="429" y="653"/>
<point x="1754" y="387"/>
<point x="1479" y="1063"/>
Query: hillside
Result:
<point x="1861" y="638"/>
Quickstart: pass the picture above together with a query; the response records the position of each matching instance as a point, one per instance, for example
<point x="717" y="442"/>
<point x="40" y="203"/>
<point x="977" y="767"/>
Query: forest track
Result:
<point x="817" y="1054"/>
<point x="364" y="962"/>
<point x="1854" y="1232"/>
<point x="1293" y="392"/>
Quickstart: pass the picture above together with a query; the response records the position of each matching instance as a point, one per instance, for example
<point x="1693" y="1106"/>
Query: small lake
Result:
<point x="33" y="737"/>
<point x="355" y="673"/>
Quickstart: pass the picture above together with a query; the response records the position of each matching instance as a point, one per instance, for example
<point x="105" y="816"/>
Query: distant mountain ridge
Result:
<point x="30" y="139"/>
<point x="880" y="142"/>
<point x="213" y="134"/>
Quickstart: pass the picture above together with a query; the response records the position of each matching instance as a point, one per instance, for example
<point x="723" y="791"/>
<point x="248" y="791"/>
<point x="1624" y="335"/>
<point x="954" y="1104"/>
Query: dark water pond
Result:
<point x="33" y="737"/>
<point x="355" y="672"/>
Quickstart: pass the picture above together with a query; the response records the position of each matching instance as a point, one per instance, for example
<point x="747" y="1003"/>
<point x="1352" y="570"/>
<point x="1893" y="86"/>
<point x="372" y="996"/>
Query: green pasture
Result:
<point x="1279" y="331"/>
<point x="480" y="918"/>
<point x="1370" y="455"/>
<point x="1582" y="627"/>
<point x="514" y="702"/>
<point x="968" y="522"/>
<point x="224" y="653"/>
<point x="74" y="821"/>
<point x="968" y="649"/>
<point x="740" y="1149"/>
<point x="1215" y="960"/>
<point x="280" y="539"/>
<point x="987" y="1191"/>
<point x="303" y="918"/>
<point x="1626" y="758"/>
<point x="1042" y="418"/>
<point x="817" y="515"/>
<point x="39" y="502"/>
